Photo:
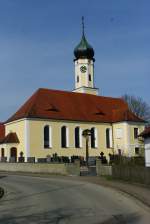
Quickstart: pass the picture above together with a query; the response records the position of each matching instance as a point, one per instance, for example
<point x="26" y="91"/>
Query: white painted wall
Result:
<point x="147" y="152"/>
<point x="84" y="76"/>
<point x="27" y="139"/>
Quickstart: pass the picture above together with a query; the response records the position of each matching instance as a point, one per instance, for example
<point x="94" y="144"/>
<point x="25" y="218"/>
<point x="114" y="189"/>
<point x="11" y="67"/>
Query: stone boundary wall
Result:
<point x="49" y="168"/>
<point x="103" y="170"/>
<point x="136" y="174"/>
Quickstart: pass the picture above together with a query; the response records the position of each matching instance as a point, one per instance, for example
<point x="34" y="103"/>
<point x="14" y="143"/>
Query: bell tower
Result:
<point x="84" y="66"/>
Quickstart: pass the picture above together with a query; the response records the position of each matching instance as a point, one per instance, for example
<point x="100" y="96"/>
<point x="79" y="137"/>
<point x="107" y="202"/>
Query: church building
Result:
<point x="52" y="121"/>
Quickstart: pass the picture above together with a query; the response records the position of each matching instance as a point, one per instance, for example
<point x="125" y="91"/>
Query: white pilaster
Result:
<point x="127" y="138"/>
<point x="80" y="130"/>
<point x="110" y="137"/>
<point x="67" y="136"/>
<point x="27" y="139"/>
<point x="147" y="152"/>
<point x="50" y="137"/>
<point x="96" y="138"/>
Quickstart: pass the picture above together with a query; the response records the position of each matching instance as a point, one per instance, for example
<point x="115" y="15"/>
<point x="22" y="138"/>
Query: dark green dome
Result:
<point x="83" y="49"/>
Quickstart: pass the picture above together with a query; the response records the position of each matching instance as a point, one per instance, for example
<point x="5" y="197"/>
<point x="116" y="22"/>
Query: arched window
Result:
<point x="93" y="138"/>
<point x="108" y="138"/>
<point x="64" y="137"/>
<point x="77" y="78"/>
<point x="77" y="137"/>
<point x="2" y="152"/>
<point x="90" y="77"/>
<point x="46" y="137"/>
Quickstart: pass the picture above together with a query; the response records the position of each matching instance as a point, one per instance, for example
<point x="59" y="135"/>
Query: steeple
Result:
<point x="83" y="49"/>
<point x="82" y="25"/>
<point x="84" y="66"/>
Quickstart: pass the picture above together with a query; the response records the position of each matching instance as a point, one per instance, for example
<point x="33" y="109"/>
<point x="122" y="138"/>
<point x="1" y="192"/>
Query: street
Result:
<point x="62" y="200"/>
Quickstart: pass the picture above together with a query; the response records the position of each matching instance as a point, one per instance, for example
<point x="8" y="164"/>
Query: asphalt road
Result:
<point x="61" y="200"/>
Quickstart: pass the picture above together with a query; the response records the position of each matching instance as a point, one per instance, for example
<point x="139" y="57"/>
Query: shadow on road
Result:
<point x="2" y="176"/>
<point x="122" y="219"/>
<point x="25" y="196"/>
<point x="68" y="216"/>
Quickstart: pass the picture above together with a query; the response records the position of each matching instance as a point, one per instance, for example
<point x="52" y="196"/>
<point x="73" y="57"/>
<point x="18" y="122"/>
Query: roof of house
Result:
<point x="2" y="131"/>
<point x="146" y="133"/>
<point x="10" y="138"/>
<point x="63" y="105"/>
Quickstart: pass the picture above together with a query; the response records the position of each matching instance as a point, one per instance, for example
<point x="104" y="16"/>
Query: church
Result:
<point x="53" y="121"/>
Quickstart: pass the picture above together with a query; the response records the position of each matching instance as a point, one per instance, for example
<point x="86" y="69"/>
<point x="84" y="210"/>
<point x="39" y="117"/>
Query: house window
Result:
<point x="47" y="133"/>
<point x="135" y="133"/>
<point x="77" y="137"/>
<point x="137" y="150"/>
<point x="90" y="78"/>
<point x="2" y="152"/>
<point x="108" y="138"/>
<point x="77" y="78"/>
<point x="93" y="138"/>
<point x="64" y="137"/>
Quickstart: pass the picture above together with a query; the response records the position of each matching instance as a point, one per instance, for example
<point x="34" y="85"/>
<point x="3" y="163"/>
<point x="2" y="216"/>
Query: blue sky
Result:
<point x="37" y="38"/>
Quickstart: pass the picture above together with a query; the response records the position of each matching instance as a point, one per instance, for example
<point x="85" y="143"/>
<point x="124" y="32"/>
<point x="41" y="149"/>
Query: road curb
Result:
<point x="131" y="194"/>
<point x="114" y="185"/>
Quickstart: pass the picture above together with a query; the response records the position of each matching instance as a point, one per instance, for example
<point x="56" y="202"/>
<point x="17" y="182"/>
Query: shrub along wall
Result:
<point x="138" y="174"/>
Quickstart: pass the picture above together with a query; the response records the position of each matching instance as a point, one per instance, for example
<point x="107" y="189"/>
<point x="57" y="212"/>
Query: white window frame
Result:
<point x="96" y="138"/>
<point x="67" y="136"/>
<point x="80" y="136"/>
<point x="110" y="137"/>
<point x="50" y="136"/>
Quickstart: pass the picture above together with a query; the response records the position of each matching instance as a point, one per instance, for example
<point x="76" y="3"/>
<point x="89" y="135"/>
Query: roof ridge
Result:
<point x="77" y="93"/>
<point x="32" y="99"/>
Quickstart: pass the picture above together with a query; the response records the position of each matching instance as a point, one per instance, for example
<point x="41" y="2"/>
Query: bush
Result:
<point x="119" y="159"/>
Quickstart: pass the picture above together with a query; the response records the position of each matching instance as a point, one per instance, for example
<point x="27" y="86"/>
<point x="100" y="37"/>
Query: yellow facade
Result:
<point x="37" y="143"/>
<point x="126" y="141"/>
<point x="19" y="128"/>
<point x="31" y="138"/>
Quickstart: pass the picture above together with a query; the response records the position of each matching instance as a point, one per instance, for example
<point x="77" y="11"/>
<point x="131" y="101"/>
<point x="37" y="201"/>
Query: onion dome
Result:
<point x="83" y="49"/>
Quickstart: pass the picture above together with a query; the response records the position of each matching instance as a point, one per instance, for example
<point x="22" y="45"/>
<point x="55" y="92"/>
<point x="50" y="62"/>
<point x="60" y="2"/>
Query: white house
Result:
<point x="146" y="135"/>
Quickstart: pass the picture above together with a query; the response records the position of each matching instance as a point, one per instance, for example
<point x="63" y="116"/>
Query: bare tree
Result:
<point x="138" y="106"/>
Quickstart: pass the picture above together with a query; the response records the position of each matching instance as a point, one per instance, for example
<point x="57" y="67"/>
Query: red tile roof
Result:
<point x="146" y="133"/>
<point x="10" y="138"/>
<point x="2" y="131"/>
<point x="63" y="105"/>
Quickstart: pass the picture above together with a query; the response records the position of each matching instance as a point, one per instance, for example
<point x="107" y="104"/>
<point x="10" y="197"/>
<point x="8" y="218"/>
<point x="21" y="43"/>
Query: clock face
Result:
<point x="83" y="68"/>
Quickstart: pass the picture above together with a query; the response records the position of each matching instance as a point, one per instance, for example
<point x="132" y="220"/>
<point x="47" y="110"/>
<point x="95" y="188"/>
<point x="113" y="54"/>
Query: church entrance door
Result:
<point x="13" y="154"/>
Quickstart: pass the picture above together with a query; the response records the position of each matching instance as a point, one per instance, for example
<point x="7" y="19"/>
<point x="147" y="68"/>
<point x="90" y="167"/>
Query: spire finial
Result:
<point x="83" y="25"/>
